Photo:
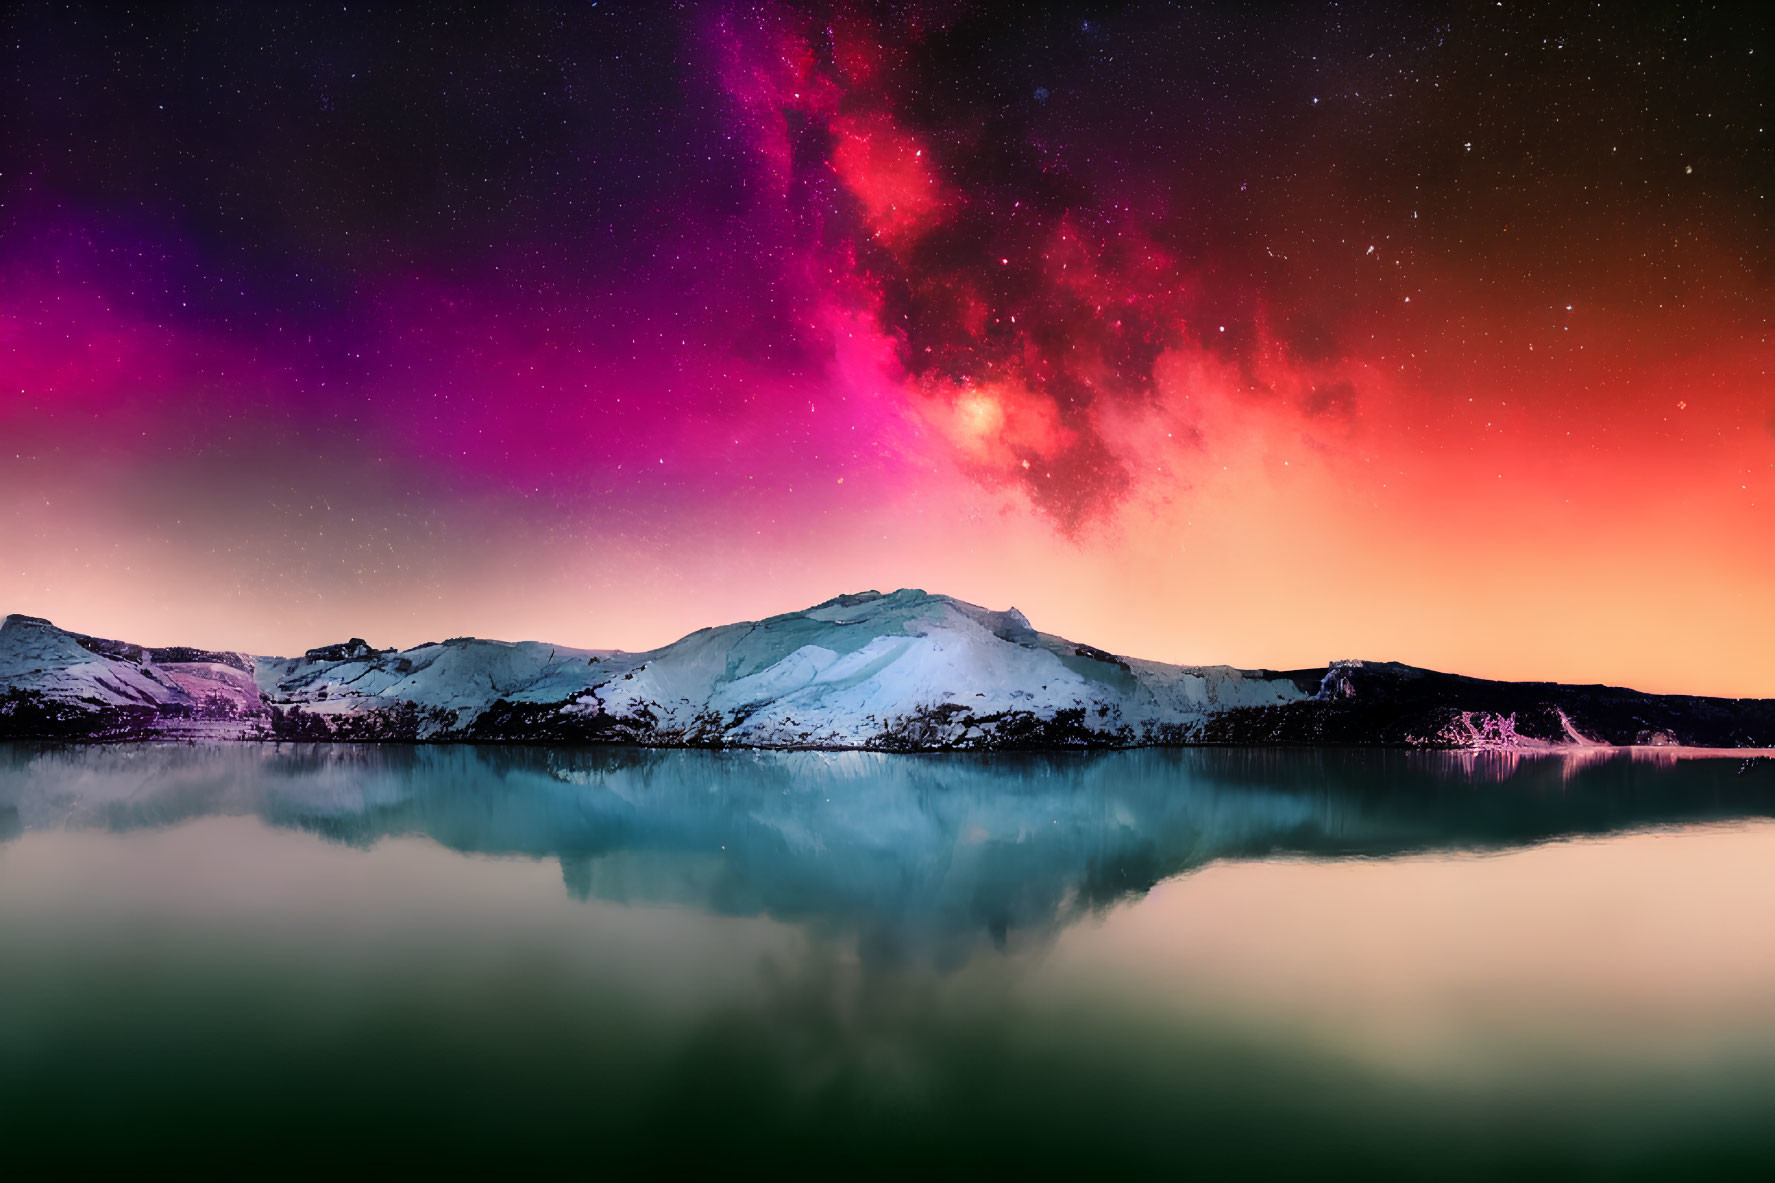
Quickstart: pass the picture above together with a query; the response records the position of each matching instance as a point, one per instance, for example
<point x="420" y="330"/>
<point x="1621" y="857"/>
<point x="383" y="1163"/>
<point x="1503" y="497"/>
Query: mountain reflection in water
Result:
<point x="1149" y="963"/>
<point x="927" y="857"/>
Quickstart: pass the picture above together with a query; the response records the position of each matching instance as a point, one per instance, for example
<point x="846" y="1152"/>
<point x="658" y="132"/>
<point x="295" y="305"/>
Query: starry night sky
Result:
<point x="1247" y="333"/>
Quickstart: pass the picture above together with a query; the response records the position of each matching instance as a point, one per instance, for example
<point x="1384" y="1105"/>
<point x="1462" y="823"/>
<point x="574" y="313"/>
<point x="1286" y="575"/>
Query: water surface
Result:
<point x="1136" y="963"/>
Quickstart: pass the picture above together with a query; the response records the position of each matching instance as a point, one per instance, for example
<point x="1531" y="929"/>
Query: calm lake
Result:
<point x="252" y="959"/>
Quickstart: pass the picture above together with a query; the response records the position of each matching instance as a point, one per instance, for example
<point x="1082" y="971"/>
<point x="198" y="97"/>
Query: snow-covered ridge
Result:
<point x="906" y="670"/>
<point x="903" y="671"/>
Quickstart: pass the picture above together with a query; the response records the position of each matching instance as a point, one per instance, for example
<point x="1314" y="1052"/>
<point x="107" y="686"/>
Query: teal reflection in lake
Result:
<point x="850" y="963"/>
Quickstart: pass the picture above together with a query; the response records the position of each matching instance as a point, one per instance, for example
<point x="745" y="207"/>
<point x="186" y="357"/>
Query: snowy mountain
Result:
<point x="908" y="671"/>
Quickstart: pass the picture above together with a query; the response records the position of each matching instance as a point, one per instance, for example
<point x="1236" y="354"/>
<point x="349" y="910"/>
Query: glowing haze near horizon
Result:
<point x="1428" y="333"/>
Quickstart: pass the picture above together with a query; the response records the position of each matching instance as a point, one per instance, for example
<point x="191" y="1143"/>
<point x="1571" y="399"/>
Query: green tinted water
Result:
<point x="628" y="962"/>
